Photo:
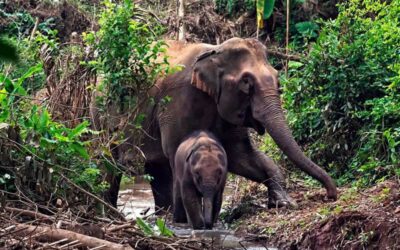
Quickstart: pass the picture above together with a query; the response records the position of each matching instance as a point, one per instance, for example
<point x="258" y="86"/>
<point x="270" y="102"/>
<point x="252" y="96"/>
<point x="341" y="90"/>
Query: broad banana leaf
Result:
<point x="264" y="11"/>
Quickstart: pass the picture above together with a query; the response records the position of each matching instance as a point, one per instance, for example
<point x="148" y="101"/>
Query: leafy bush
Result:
<point x="232" y="7"/>
<point x="28" y="54"/>
<point x="128" y="48"/>
<point x="343" y="101"/>
<point x="54" y="154"/>
<point x="49" y="149"/>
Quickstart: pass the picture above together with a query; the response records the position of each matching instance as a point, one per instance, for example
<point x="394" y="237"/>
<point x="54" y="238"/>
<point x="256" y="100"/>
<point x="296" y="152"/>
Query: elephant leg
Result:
<point x="161" y="184"/>
<point x="193" y="207"/>
<point x="179" y="209"/>
<point x="111" y="195"/>
<point x="217" y="205"/>
<point x="246" y="161"/>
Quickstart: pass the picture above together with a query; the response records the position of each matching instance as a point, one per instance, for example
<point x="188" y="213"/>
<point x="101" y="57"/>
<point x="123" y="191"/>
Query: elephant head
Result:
<point x="208" y="163"/>
<point x="246" y="90"/>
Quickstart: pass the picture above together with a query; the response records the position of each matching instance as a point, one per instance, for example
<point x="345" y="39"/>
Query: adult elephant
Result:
<point x="225" y="89"/>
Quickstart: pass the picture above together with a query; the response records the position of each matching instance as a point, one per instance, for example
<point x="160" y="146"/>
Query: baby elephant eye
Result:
<point x="198" y="178"/>
<point x="246" y="80"/>
<point x="218" y="174"/>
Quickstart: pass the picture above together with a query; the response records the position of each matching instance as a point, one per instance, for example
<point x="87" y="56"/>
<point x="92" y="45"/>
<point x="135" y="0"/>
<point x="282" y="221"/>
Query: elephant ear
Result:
<point x="206" y="74"/>
<point x="192" y="150"/>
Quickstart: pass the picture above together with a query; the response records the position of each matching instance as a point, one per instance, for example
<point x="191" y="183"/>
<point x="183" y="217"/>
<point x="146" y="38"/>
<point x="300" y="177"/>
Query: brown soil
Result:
<point x="367" y="219"/>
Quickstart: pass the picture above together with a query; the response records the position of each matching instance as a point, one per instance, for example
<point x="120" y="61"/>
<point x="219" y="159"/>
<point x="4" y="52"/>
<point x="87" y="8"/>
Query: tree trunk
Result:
<point x="181" y="23"/>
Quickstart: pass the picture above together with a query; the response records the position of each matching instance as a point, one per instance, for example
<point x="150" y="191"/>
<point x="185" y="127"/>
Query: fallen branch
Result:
<point x="119" y="227"/>
<point x="121" y="216"/>
<point x="54" y="234"/>
<point x="34" y="29"/>
<point x="32" y="214"/>
<point x="283" y="55"/>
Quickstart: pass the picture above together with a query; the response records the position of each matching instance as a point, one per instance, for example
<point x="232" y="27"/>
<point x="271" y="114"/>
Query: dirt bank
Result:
<point x="360" y="219"/>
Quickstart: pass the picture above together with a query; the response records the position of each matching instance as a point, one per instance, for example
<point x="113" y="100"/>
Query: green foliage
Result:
<point x="144" y="226"/>
<point x="21" y="23"/>
<point x="268" y="8"/>
<point x="232" y="7"/>
<point x="47" y="142"/>
<point x="307" y="29"/>
<point x="8" y="52"/>
<point x="28" y="52"/>
<point x="160" y="228"/>
<point x="343" y="101"/>
<point x="128" y="49"/>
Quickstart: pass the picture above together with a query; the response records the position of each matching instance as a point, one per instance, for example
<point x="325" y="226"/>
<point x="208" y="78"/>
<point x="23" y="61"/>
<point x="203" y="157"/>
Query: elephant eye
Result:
<point x="245" y="84"/>
<point x="246" y="80"/>
<point x="219" y="173"/>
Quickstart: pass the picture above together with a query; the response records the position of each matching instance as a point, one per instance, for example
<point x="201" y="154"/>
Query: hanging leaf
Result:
<point x="264" y="11"/>
<point x="80" y="150"/>
<point x="268" y="8"/>
<point x="78" y="130"/>
<point x="260" y="13"/>
<point x="29" y="73"/>
<point x="43" y="121"/>
<point x="8" y="84"/>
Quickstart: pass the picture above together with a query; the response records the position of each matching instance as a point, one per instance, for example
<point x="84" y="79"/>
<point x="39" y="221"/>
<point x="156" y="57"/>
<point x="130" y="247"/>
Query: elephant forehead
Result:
<point x="249" y="42"/>
<point x="207" y="166"/>
<point x="252" y="45"/>
<point x="213" y="157"/>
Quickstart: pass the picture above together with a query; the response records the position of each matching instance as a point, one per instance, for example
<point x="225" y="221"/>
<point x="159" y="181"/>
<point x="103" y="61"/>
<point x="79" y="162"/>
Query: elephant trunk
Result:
<point x="208" y="197"/>
<point x="266" y="108"/>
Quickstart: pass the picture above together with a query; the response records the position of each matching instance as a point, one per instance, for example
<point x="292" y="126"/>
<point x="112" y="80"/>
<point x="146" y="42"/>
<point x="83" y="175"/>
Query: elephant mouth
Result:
<point x="253" y="123"/>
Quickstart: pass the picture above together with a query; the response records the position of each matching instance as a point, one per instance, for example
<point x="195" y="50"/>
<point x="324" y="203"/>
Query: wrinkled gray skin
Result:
<point x="225" y="89"/>
<point x="199" y="180"/>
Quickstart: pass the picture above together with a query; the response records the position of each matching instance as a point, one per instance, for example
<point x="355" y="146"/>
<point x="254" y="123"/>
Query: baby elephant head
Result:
<point x="208" y="163"/>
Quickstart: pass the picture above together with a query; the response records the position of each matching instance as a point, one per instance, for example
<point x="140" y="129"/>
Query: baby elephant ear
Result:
<point x="194" y="148"/>
<point x="206" y="74"/>
<point x="190" y="154"/>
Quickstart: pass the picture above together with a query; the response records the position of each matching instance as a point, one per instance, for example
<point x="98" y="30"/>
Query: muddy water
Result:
<point x="136" y="200"/>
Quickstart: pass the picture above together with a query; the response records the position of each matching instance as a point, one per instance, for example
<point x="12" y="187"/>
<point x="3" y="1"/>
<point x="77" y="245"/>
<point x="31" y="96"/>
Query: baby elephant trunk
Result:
<point x="208" y="198"/>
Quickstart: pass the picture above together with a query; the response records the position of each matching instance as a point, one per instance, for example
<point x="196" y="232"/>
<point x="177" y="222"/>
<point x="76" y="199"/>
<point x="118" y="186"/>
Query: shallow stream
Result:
<point x="136" y="200"/>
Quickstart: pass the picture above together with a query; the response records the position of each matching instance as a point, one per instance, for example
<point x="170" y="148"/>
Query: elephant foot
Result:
<point x="280" y="199"/>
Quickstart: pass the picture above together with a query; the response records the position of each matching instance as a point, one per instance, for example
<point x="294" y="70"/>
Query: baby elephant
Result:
<point x="199" y="180"/>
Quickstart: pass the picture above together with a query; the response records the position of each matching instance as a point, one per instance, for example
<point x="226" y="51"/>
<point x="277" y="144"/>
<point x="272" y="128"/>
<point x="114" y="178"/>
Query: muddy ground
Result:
<point x="359" y="219"/>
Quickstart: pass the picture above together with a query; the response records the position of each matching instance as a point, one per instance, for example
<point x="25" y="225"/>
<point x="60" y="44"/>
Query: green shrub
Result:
<point x="232" y="7"/>
<point x="343" y="100"/>
<point x="53" y="147"/>
<point x="128" y="48"/>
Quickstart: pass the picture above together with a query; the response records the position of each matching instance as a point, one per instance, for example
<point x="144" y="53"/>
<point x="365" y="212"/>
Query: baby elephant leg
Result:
<point x="192" y="203"/>
<point x="217" y="205"/>
<point x="179" y="209"/>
